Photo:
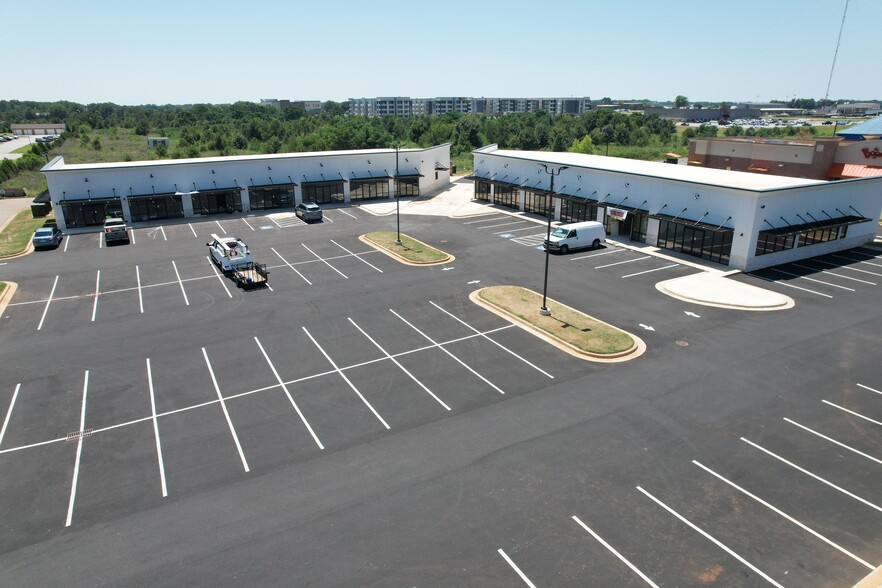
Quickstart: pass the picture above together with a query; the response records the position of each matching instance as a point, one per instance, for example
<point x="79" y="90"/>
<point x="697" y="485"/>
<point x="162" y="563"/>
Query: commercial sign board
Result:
<point x="616" y="213"/>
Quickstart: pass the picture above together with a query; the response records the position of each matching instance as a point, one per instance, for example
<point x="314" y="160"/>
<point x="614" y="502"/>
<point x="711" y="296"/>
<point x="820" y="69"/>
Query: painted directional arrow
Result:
<point x="474" y="282"/>
<point x="689" y="313"/>
<point x="647" y="327"/>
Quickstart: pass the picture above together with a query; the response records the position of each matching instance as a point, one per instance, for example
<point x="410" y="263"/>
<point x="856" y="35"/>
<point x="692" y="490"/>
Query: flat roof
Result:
<point x="58" y="165"/>
<point x="667" y="171"/>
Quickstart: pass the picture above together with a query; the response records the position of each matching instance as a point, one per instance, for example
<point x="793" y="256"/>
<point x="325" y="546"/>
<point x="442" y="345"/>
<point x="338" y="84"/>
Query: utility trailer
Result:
<point x="250" y="275"/>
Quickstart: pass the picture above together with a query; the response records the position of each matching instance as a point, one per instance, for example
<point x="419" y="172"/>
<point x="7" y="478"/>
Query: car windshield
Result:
<point x="44" y="233"/>
<point x="560" y="233"/>
<point x="312" y="207"/>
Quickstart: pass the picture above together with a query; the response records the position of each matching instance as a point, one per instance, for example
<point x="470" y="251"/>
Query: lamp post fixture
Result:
<point x="543" y="310"/>
<point x="397" y="201"/>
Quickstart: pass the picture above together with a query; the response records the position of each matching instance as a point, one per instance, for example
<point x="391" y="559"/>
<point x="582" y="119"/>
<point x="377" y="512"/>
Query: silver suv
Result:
<point x="308" y="211"/>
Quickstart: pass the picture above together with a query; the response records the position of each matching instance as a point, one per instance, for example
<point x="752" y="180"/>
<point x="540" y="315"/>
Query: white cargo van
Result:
<point x="229" y="252"/>
<point x="576" y="236"/>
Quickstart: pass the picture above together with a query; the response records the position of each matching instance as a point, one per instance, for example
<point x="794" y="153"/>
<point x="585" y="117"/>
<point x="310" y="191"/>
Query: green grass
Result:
<point x="410" y="249"/>
<point x="33" y="181"/>
<point x="464" y="162"/>
<point x="17" y="235"/>
<point x="579" y="330"/>
<point x="2" y="287"/>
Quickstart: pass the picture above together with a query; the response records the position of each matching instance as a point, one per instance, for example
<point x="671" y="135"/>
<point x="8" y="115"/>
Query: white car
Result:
<point x="228" y="252"/>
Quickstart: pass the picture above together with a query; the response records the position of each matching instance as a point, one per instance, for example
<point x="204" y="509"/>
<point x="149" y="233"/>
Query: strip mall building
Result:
<point x="83" y="195"/>
<point x="743" y="220"/>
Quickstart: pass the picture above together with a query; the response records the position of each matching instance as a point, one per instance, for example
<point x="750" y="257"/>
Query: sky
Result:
<point x="216" y="51"/>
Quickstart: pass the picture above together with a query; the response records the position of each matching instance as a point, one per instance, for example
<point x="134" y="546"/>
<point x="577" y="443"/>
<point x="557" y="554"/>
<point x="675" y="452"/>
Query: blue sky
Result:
<point x="188" y="51"/>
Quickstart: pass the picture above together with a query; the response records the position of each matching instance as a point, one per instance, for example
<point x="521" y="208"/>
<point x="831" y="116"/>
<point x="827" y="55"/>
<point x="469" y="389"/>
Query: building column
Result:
<point x="346" y="192"/>
<point x="187" y="205"/>
<point x="391" y="189"/>
<point x="246" y="199"/>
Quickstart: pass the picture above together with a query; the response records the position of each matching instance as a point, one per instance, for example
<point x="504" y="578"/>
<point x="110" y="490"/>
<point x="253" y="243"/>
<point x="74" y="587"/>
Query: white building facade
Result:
<point x="83" y="195"/>
<point x="743" y="220"/>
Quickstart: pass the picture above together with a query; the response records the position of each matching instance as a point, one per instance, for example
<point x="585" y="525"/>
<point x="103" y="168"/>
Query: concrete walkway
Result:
<point x="710" y="286"/>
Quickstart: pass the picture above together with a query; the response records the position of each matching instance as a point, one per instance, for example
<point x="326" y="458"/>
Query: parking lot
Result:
<point x="362" y="422"/>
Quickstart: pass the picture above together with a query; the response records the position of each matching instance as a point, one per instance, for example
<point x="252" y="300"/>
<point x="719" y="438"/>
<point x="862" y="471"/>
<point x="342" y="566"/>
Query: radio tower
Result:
<point x="835" y="53"/>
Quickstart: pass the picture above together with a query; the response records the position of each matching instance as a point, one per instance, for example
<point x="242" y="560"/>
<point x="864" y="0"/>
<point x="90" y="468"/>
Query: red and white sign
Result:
<point x="616" y="213"/>
<point x="871" y="154"/>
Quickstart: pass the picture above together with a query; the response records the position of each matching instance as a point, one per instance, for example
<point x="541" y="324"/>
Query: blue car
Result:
<point x="47" y="237"/>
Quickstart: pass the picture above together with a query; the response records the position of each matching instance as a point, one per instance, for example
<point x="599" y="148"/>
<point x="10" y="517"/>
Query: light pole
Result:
<point x="543" y="310"/>
<point x="397" y="202"/>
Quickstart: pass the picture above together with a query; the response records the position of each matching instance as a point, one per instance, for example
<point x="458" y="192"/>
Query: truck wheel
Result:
<point x="564" y="249"/>
<point x="595" y="244"/>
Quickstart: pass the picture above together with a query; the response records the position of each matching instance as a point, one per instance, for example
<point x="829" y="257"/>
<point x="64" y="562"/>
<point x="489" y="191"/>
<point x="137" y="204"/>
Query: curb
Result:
<point x="8" y="292"/>
<point x="634" y="352"/>
<point x="872" y="580"/>
<point x="400" y="259"/>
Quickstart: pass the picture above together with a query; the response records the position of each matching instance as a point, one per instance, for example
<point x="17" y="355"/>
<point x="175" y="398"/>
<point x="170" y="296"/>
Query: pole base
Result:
<point x="398" y="242"/>
<point x="544" y="311"/>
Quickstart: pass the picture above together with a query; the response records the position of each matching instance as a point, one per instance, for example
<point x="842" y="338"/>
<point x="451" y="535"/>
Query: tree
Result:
<point x="583" y="145"/>
<point x="681" y="102"/>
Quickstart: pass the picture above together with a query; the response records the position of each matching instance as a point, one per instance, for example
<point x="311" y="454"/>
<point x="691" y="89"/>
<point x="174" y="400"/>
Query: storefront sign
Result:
<point x="871" y="154"/>
<point x="617" y="213"/>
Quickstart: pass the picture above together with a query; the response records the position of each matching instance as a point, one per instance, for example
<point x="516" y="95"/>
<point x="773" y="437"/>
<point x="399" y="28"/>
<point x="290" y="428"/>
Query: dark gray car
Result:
<point x="47" y="237"/>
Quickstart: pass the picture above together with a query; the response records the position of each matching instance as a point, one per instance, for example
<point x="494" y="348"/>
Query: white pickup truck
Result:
<point x="232" y="256"/>
<point x="115" y="231"/>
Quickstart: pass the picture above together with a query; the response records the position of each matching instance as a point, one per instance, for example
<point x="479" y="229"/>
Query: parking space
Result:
<point x="240" y="405"/>
<point x="827" y="276"/>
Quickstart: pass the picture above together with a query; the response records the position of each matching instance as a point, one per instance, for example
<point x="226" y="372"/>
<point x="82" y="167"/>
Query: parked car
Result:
<point x="115" y="231"/>
<point x="308" y="211"/>
<point x="47" y="237"/>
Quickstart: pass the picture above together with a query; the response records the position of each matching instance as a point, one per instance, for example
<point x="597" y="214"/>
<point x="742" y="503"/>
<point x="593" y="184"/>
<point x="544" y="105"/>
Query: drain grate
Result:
<point x="75" y="435"/>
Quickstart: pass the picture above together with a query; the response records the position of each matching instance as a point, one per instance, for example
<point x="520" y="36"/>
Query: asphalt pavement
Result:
<point x="362" y="422"/>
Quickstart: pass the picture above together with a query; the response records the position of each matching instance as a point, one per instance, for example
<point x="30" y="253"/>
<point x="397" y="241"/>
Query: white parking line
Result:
<point x="356" y="255"/>
<point x="790" y="285"/>
<point x="273" y="249"/>
<point x="710" y="538"/>
<point x="401" y="367"/>
<point x="774" y="269"/>
<point x="324" y="261"/>
<point x="513" y="230"/>
<point x="860" y="416"/>
<point x="500" y="345"/>
<point x="9" y="412"/>
<point x="288" y="394"/>
<point x="658" y="269"/>
<point x="48" y="301"/>
<point x="255" y="391"/>
<point x="786" y="516"/>
<point x="132" y="231"/>
<point x="81" y="434"/>
<point x="224" y="408"/>
<point x="162" y="230"/>
<point x="140" y="295"/>
<point x="616" y="553"/>
<point x="857" y="260"/>
<point x="506" y="224"/>
<point x="815" y="476"/>
<point x="156" y="430"/>
<point x="193" y="230"/>
<point x="184" y="292"/>
<point x="66" y="241"/>
<point x="346" y="213"/>
<point x="616" y="250"/>
<point x="245" y="220"/>
<point x="516" y="569"/>
<point x="97" y="293"/>
<point x="622" y="262"/>
<point x="823" y="271"/>
<point x="345" y="379"/>
<point x="219" y="277"/>
<point x="458" y="360"/>
<point x="494" y="215"/>
<point x="100" y="240"/>
<point x="834" y="441"/>
<point x="846" y="267"/>
<point x="221" y="227"/>
<point x="870" y="389"/>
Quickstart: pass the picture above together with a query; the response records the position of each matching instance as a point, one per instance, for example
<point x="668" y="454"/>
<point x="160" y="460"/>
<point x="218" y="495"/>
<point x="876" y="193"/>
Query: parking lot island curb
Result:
<point x="712" y="289"/>
<point x="872" y="580"/>
<point x="8" y="291"/>
<point x="398" y="258"/>
<point x="633" y="353"/>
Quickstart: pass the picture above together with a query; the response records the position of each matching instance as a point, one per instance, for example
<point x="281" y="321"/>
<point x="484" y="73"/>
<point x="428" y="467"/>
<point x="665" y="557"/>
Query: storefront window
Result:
<point x="268" y="197"/>
<point x="368" y="190"/>
<point x="323" y="192"/>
